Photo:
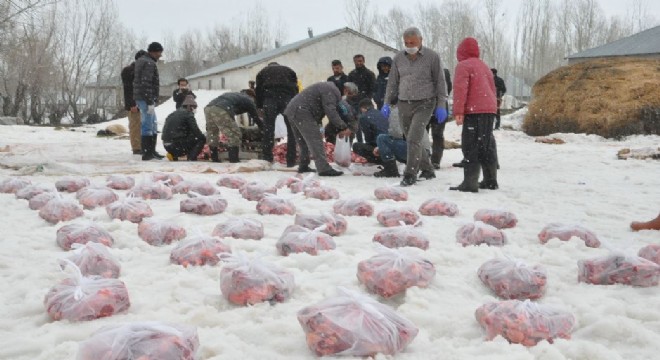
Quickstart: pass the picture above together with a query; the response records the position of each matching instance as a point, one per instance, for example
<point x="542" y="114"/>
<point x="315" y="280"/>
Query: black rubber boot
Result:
<point x="436" y="157"/>
<point x="459" y="164"/>
<point x="408" y="180"/>
<point x="470" y="179"/>
<point x="490" y="177"/>
<point x="305" y="169"/>
<point x="331" y="172"/>
<point x="214" y="154"/>
<point x="427" y="174"/>
<point x="154" y="138"/>
<point x="146" y="148"/>
<point x="233" y="154"/>
<point x="389" y="170"/>
<point x="193" y="154"/>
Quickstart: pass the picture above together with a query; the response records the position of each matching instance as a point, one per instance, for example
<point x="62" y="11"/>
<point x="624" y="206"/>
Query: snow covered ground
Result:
<point x="579" y="182"/>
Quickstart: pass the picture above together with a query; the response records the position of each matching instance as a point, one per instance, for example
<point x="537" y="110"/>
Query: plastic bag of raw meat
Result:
<point x="80" y="298"/>
<point x="160" y="232"/>
<point x="273" y="205"/>
<point x="353" y="207"/>
<point x="255" y="190"/>
<point x="395" y="193"/>
<point x="141" y="341"/>
<point x="513" y="279"/>
<point x="167" y="179"/>
<point x="12" y="184"/>
<point x="353" y="324"/>
<point x="342" y="152"/>
<point x="39" y="201"/>
<point x="650" y="252"/>
<point x="322" y="192"/>
<point x="71" y="184"/>
<point x="203" y="205"/>
<point x="438" y="207"/>
<point x="151" y="190"/>
<point x="232" y="181"/>
<point x="619" y="268"/>
<point x="83" y="233"/>
<point x="524" y="322"/>
<point x="285" y="181"/>
<point x="120" y="182"/>
<point x="129" y="209"/>
<point x="478" y="233"/>
<point x="297" y="239"/>
<point x="335" y="225"/>
<point x="497" y="218"/>
<point x="198" y="250"/>
<point x="94" y="196"/>
<point x="401" y="236"/>
<point x="95" y="259"/>
<point x="60" y="209"/>
<point x="308" y="181"/>
<point x="30" y="191"/>
<point x="245" y="281"/>
<point x="397" y="216"/>
<point x="392" y="271"/>
<point x="200" y="187"/>
<point x="566" y="232"/>
<point x="240" y="228"/>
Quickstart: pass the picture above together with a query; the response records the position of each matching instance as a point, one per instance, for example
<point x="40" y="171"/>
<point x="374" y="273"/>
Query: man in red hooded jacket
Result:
<point x="475" y="107"/>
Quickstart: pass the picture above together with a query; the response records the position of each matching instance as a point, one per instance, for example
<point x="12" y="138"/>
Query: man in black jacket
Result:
<point x="338" y="77"/>
<point x="362" y="77"/>
<point x="384" y="65"/>
<point x="127" y="77"/>
<point x="372" y="124"/>
<point x="276" y="85"/>
<point x="180" y="93"/>
<point x="500" y="89"/>
<point x="181" y="135"/>
<point x="145" y="92"/>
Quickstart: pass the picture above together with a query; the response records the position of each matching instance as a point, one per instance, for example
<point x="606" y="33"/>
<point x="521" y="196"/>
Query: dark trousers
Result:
<point x="274" y="106"/>
<point x="438" y="134"/>
<point x="310" y="140"/>
<point x="477" y="140"/>
<point x="497" y="117"/>
<point x="190" y="146"/>
<point x="367" y="152"/>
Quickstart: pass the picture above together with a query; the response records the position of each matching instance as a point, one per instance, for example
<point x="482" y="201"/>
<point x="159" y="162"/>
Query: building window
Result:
<point x="199" y="85"/>
<point x="210" y="84"/>
<point x="222" y="83"/>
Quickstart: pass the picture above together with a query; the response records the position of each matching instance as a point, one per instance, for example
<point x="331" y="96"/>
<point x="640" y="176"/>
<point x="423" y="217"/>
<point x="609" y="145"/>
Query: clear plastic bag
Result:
<point x="91" y="197"/>
<point x="297" y="239"/>
<point x="395" y="193"/>
<point x="12" y="184"/>
<point x="159" y="232"/>
<point x="401" y="236"/>
<point x="566" y="232"/>
<point x="273" y="205"/>
<point x="650" y="252"/>
<point x="203" y="205"/>
<point x="353" y="324"/>
<point x="129" y="209"/>
<point x="95" y="259"/>
<point x="322" y="193"/>
<point x="30" y="191"/>
<point x="71" y="184"/>
<point x="166" y="178"/>
<point x="198" y="250"/>
<point x="353" y="207"/>
<point x="478" y="233"/>
<point x="120" y="182"/>
<point x="392" y="271"/>
<point x="60" y="209"/>
<point x="309" y="181"/>
<point x="397" y="216"/>
<point x="285" y="181"/>
<point x="333" y="225"/>
<point x="141" y="341"/>
<point x="524" y="322"/>
<point x="82" y="233"/>
<point x="513" y="279"/>
<point x="200" y="187"/>
<point x="498" y="218"/>
<point x="240" y="228"/>
<point x="438" y="207"/>
<point x="151" y="191"/>
<point x="343" y="151"/>
<point x="232" y="181"/>
<point x="39" y="201"/>
<point x="255" y="190"/>
<point x="245" y="281"/>
<point x="618" y="268"/>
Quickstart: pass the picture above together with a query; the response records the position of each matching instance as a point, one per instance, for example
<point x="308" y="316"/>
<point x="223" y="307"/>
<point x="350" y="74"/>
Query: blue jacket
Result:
<point x="372" y="124"/>
<point x="381" y="81"/>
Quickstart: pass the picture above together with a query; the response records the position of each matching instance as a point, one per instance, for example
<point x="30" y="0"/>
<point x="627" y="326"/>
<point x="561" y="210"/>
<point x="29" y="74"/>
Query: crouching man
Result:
<point x="181" y="135"/>
<point x="372" y="124"/>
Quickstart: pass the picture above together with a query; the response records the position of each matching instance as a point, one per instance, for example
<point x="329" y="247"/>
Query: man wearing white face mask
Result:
<point x="181" y="135"/>
<point x="417" y="79"/>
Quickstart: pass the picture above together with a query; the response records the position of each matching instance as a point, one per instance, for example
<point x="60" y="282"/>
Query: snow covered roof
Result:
<point x="263" y="56"/>
<point x="646" y="42"/>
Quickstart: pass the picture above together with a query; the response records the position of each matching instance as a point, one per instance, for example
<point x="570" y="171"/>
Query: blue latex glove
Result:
<point x="441" y="114"/>
<point x="385" y="110"/>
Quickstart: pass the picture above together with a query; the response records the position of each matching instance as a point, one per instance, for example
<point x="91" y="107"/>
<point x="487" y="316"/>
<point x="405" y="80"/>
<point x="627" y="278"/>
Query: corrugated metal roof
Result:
<point x="269" y="54"/>
<point x="643" y="43"/>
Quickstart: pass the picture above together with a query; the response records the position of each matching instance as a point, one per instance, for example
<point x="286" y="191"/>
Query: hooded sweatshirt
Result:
<point x="474" y="87"/>
<point x="381" y="80"/>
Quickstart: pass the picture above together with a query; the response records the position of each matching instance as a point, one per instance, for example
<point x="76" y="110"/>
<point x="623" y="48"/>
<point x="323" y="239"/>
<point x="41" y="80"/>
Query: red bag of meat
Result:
<point x="120" y="182"/>
<point x="160" y="232"/>
<point x="524" y="322"/>
<point x="231" y="181"/>
<point x="566" y="232"/>
<point x="240" y="228"/>
<point x="198" y="250"/>
<point x="497" y="218"/>
<point x="438" y="207"/>
<point x="400" y="236"/>
<point x="308" y="181"/>
<point x="167" y="179"/>
<point x="353" y="324"/>
<point x="141" y="341"/>
<point x="200" y="187"/>
<point x="39" y="201"/>
<point x="392" y="271"/>
<point x="12" y="184"/>
<point x="155" y="190"/>
<point x="395" y="216"/>
<point x="391" y="193"/>
<point x="94" y="196"/>
<point x="288" y="180"/>
<point x="353" y="207"/>
<point x="335" y="225"/>
<point x="246" y="281"/>
<point x="71" y="184"/>
<point x="255" y="190"/>
<point x="30" y="191"/>
<point x="94" y="259"/>
<point x="80" y="298"/>
<point x="513" y="279"/>
<point x="203" y="205"/>
<point x="479" y="233"/>
<point x="651" y="253"/>
<point x="297" y="239"/>
<point x="60" y="209"/>
<point x="322" y="193"/>
<point x="273" y="205"/>
<point x="83" y="233"/>
<point x="129" y="209"/>
<point x="619" y="269"/>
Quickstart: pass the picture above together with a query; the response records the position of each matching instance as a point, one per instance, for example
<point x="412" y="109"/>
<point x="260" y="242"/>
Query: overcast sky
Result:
<point x="154" y="18"/>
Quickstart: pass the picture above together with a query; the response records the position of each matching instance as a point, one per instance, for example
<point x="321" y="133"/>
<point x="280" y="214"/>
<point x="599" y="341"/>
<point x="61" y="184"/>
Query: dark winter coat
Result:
<point x="448" y="81"/>
<point x="275" y="81"/>
<point x="500" y="86"/>
<point x="236" y="104"/>
<point x="179" y="125"/>
<point x="365" y="81"/>
<point x="339" y="82"/>
<point x="178" y="96"/>
<point x="372" y="124"/>
<point x="127" y="76"/>
<point x="381" y="80"/>
<point x="474" y="87"/>
<point x="146" y="83"/>
<point x="318" y="100"/>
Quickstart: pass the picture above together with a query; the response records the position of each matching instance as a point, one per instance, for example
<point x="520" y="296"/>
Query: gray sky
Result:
<point x="154" y="18"/>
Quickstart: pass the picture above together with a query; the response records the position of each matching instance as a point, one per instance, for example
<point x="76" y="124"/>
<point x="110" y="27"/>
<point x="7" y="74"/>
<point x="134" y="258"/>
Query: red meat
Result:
<point x="129" y="209"/>
<point x="651" y="253"/>
<point x="511" y="279"/>
<point x="391" y="272"/>
<point x="246" y="281"/>
<point x="255" y="191"/>
<point x="231" y="181"/>
<point x="82" y="233"/>
<point x="272" y="205"/>
<point x="240" y="228"/>
<point x="95" y="259"/>
<point x="203" y="205"/>
<point x="479" y="233"/>
<point x="400" y="236"/>
<point x="391" y="193"/>
<point x="147" y="191"/>
<point x="353" y="207"/>
<point x="288" y="180"/>
<point x="168" y="179"/>
<point x="30" y="191"/>
<point x="566" y="232"/>
<point x="497" y="218"/>
<point x="438" y="207"/>
<point x="297" y="239"/>
<point x="39" y="201"/>
<point x="60" y="209"/>
<point x="333" y="225"/>
<point x="71" y="184"/>
<point x="396" y="216"/>
<point x="120" y="182"/>
<point x="199" y="187"/>
<point x="198" y="250"/>
<point x="93" y="196"/>
<point x="619" y="269"/>
<point x="12" y="184"/>
<point x="308" y="181"/>
<point x="160" y="232"/>
<point x="322" y="193"/>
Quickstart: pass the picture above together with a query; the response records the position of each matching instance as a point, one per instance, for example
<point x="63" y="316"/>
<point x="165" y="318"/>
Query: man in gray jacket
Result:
<point x="145" y="92"/>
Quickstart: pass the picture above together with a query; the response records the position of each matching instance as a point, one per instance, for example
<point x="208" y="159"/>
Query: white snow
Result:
<point x="579" y="182"/>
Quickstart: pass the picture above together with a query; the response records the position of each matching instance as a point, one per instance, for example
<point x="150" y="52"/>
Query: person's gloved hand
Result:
<point x="441" y="114"/>
<point x="151" y="109"/>
<point x="385" y="110"/>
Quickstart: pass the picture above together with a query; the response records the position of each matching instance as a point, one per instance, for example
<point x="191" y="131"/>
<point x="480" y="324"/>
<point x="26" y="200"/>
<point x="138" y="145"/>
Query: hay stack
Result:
<point x="609" y="97"/>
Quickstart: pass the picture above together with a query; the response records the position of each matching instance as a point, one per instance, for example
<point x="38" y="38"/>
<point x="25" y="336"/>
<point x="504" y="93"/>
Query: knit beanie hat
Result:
<point x="189" y="101"/>
<point x="139" y="54"/>
<point x="155" y="47"/>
